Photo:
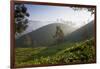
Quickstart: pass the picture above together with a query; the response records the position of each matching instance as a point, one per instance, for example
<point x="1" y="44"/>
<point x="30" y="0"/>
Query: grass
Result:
<point x="64" y="53"/>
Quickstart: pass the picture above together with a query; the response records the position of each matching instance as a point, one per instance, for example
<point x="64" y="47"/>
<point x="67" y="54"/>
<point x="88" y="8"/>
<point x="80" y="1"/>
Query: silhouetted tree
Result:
<point x="59" y="35"/>
<point x="92" y="10"/>
<point x="20" y="15"/>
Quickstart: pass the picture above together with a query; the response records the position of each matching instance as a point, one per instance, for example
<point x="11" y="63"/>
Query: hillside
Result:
<point x="82" y="33"/>
<point x="44" y="35"/>
<point x="35" y="47"/>
<point x="72" y="53"/>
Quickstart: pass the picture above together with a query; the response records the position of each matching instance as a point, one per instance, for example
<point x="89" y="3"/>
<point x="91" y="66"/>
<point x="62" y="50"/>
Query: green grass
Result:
<point x="64" y="53"/>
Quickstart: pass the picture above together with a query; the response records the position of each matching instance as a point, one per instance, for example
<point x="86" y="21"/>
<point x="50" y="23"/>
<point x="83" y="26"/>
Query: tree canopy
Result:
<point x="92" y="10"/>
<point x="21" y="20"/>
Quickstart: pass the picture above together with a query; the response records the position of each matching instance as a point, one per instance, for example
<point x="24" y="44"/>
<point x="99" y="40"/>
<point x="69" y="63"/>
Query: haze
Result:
<point x="41" y="15"/>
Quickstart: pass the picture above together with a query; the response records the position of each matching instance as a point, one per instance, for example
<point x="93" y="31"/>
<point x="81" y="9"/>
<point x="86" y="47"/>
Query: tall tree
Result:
<point x="21" y="19"/>
<point x="59" y="35"/>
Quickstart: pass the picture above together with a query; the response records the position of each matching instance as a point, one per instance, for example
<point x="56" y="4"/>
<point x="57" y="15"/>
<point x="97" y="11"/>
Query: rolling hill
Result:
<point x="82" y="33"/>
<point x="44" y="35"/>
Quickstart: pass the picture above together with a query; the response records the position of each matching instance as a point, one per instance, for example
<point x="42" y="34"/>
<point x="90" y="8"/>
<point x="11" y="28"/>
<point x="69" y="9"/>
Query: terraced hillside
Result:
<point x="64" y="53"/>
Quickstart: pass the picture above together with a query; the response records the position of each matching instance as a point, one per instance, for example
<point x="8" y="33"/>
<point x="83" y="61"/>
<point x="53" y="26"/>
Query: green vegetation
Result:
<point x="64" y="53"/>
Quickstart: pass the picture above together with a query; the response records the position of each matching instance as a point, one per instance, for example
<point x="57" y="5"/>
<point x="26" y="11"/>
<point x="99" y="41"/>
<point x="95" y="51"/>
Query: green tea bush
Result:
<point x="80" y="52"/>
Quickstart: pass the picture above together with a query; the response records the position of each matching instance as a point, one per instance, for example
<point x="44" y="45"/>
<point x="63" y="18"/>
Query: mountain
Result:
<point x="82" y="33"/>
<point x="36" y="24"/>
<point x="33" y="25"/>
<point x="42" y="36"/>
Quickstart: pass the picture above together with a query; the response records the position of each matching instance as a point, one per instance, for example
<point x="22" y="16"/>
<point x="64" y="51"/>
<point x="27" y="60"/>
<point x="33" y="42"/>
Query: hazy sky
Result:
<point x="52" y="13"/>
<point x="41" y="15"/>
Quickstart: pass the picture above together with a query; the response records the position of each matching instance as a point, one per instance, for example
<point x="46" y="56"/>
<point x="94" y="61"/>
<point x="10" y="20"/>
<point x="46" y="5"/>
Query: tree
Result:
<point x="59" y="35"/>
<point x="28" y="41"/>
<point x="91" y="10"/>
<point x="20" y="15"/>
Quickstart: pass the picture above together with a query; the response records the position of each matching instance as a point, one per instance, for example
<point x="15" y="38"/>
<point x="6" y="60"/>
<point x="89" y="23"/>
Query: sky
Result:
<point x="47" y="14"/>
<point x="41" y="15"/>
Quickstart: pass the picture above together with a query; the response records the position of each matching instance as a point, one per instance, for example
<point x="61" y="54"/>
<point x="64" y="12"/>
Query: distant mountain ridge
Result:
<point x="44" y="35"/>
<point x="82" y="33"/>
<point x="36" y="24"/>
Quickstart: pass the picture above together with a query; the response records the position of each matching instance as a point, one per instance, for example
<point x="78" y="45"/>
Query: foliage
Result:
<point x="20" y="15"/>
<point x="91" y="10"/>
<point x="65" y="53"/>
